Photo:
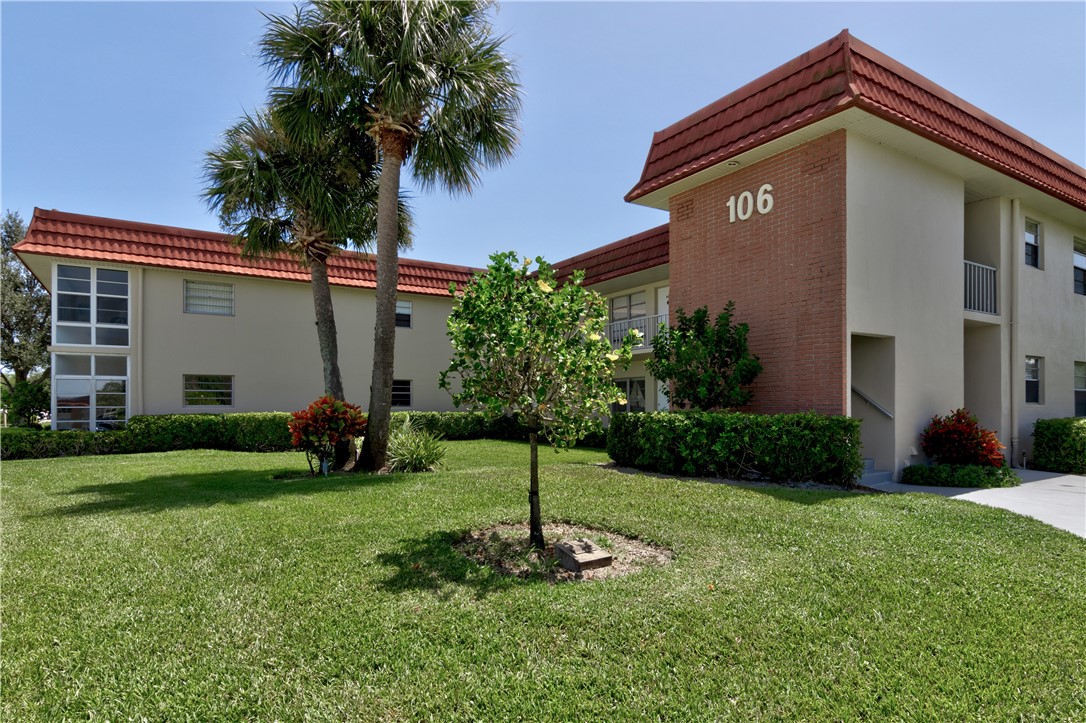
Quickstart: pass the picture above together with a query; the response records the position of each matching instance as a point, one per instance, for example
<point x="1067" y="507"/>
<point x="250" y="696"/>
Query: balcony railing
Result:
<point x="647" y="325"/>
<point x="981" y="291"/>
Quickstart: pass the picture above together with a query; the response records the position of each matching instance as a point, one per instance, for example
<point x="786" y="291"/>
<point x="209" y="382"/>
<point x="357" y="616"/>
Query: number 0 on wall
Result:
<point x="742" y="207"/>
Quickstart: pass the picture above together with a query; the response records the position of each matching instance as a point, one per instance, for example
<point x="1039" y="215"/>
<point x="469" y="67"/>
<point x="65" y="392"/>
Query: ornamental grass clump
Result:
<point x="321" y="426"/>
<point x="414" y="450"/>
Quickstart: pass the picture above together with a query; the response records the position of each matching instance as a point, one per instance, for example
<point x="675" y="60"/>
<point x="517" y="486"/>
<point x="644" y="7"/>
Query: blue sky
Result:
<point x="108" y="108"/>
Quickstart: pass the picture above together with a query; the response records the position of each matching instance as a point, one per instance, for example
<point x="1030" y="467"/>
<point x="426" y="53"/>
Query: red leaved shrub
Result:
<point x="958" y="438"/>
<point x="322" y="425"/>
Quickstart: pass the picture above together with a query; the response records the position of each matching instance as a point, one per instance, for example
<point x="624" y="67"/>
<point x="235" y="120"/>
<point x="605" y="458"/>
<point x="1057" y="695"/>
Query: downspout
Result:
<point x="1016" y="224"/>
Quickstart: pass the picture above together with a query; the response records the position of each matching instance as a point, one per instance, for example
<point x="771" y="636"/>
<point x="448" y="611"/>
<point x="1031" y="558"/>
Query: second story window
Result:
<point x="202" y="297"/>
<point x="1079" y="262"/>
<point x="403" y="314"/>
<point x="90" y="306"/>
<point x="1033" y="244"/>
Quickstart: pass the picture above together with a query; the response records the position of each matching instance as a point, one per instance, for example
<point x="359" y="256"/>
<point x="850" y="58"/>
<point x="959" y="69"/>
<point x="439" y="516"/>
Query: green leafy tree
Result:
<point x="24" y="313"/>
<point x="27" y="401"/>
<point x="707" y="365"/>
<point x="524" y="348"/>
<point x="435" y="87"/>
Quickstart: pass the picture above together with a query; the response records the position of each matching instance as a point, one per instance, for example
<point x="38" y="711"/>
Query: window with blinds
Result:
<point x="208" y="390"/>
<point x="401" y="392"/>
<point x="202" y="297"/>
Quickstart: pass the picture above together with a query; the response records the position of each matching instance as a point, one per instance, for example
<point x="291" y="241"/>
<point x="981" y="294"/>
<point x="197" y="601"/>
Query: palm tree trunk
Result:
<point x="535" y="520"/>
<point x="327" y="340"/>
<point x="375" y="447"/>
<point x="326" y="327"/>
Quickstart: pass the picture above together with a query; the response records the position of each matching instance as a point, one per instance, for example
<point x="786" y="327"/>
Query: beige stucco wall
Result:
<point x="905" y="280"/>
<point x="1051" y="322"/>
<point x="270" y="346"/>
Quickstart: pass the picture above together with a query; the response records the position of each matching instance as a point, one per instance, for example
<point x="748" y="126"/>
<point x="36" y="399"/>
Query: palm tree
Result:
<point x="434" y="87"/>
<point x="305" y="199"/>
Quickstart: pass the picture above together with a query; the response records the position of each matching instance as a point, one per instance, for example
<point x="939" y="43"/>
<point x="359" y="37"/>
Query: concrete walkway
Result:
<point x="1056" y="499"/>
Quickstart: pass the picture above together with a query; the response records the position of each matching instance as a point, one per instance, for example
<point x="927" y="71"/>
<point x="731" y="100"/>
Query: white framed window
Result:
<point x="90" y="306"/>
<point x="1080" y="389"/>
<point x="1034" y="380"/>
<point x="90" y="391"/>
<point x="625" y="310"/>
<point x="205" y="297"/>
<point x="634" y="391"/>
<point x="1033" y="244"/>
<point x="208" y="390"/>
<point x="403" y="314"/>
<point x="401" y="392"/>
<point x="1078" y="263"/>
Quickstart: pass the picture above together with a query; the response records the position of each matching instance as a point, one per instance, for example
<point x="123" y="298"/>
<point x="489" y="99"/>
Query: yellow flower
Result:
<point x="611" y="356"/>
<point x="527" y="261"/>
<point x="544" y="286"/>
<point x="621" y="400"/>
<point x="594" y="337"/>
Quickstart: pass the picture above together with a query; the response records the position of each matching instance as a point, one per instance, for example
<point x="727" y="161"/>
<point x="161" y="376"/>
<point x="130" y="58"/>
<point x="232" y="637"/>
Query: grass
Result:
<point x="194" y="586"/>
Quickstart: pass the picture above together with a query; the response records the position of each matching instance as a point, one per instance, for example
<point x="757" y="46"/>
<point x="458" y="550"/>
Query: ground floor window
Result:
<point x="1080" y="389"/>
<point x="401" y="392"/>
<point x="208" y="390"/>
<point x="90" y="391"/>
<point x="634" y="391"/>
<point x="1034" y="372"/>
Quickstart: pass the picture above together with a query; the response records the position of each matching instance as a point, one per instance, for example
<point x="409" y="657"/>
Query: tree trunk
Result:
<point x="328" y="342"/>
<point x="535" y="521"/>
<point x="375" y="447"/>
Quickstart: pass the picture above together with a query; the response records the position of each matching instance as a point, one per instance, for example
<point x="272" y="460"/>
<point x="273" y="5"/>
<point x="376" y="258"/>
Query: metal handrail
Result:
<point x="872" y="402"/>
<point x="981" y="288"/>
<point x="649" y="326"/>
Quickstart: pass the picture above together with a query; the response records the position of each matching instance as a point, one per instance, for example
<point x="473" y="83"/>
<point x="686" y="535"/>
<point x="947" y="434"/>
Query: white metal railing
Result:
<point x="981" y="291"/>
<point x="647" y="325"/>
<point x="886" y="412"/>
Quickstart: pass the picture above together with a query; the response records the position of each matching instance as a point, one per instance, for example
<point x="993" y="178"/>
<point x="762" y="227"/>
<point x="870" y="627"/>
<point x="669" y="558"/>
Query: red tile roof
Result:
<point x="635" y="253"/>
<point x="91" y="238"/>
<point x="843" y="73"/>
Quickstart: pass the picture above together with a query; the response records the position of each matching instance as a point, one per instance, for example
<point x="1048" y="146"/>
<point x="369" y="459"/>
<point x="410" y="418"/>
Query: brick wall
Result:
<point x="785" y="270"/>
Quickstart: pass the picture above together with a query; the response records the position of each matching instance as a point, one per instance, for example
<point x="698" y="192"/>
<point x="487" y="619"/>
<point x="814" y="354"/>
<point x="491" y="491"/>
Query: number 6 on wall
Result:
<point x="744" y="207"/>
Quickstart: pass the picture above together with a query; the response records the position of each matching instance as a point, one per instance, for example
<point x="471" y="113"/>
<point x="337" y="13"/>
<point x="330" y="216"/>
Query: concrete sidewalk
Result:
<point x="1056" y="499"/>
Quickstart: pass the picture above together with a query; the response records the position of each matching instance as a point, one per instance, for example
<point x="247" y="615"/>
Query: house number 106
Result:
<point x="742" y="206"/>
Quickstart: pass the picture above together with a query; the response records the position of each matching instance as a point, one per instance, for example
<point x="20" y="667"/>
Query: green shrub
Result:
<point x="775" y="447"/>
<point x="959" y="475"/>
<point x="167" y="432"/>
<point x="38" y="444"/>
<point x="256" y="432"/>
<point x="414" y="450"/>
<point x="1059" y="445"/>
<point x="477" y="425"/>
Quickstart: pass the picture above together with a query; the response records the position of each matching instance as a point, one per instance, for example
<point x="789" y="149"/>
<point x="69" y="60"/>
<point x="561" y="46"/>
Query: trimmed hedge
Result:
<point x="774" y="447"/>
<point x="477" y="425"/>
<point x="1059" y="445"/>
<point x="242" y="432"/>
<point x="959" y="475"/>
<point x="24" y="443"/>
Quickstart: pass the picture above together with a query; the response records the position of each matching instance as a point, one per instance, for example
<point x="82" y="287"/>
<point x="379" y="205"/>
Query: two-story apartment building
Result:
<point x="897" y="252"/>
<point x="156" y="320"/>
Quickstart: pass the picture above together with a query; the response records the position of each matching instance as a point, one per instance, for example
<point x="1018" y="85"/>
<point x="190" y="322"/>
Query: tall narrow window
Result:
<point x="208" y="390"/>
<point x="1033" y="244"/>
<point x="1079" y="263"/>
<point x="401" y="392"/>
<point x="1034" y="372"/>
<point x="90" y="306"/>
<point x="627" y="312"/>
<point x="203" y="297"/>
<point x="403" y="314"/>
<point x="1080" y="389"/>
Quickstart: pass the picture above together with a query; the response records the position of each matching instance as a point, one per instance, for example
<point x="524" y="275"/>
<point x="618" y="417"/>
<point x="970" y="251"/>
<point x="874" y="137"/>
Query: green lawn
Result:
<point x="194" y="586"/>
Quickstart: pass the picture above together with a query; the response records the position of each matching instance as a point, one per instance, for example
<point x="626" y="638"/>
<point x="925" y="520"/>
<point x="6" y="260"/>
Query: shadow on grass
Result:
<point x="182" y="491"/>
<point x="431" y="564"/>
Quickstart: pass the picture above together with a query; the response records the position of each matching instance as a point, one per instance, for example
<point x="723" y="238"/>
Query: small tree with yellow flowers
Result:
<point x="525" y="347"/>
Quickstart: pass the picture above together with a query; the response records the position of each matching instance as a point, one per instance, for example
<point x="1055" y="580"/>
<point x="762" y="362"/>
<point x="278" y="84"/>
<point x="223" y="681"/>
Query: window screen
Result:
<point x="202" y="297"/>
